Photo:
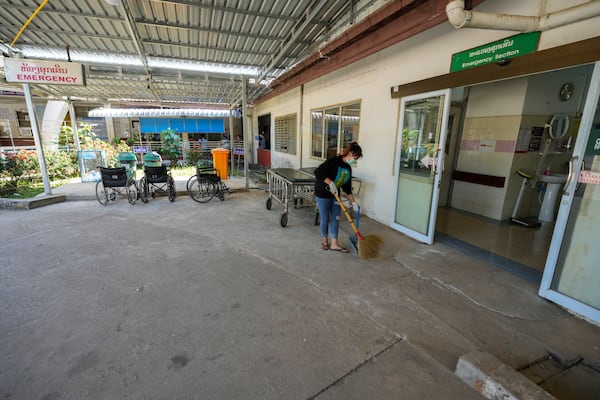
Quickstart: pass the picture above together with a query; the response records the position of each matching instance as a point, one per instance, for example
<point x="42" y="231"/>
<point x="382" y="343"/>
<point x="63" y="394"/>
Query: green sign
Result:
<point x="504" y="49"/>
<point x="593" y="144"/>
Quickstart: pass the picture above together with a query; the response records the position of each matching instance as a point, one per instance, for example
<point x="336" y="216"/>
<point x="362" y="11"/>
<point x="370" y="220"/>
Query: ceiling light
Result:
<point x="157" y="112"/>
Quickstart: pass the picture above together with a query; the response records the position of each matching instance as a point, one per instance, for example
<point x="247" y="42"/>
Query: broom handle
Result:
<point x="348" y="217"/>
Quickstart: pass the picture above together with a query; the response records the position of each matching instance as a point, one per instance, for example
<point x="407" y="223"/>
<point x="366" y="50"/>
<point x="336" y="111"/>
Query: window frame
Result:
<point x="328" y="138"/>
<point x="286" y="125"/>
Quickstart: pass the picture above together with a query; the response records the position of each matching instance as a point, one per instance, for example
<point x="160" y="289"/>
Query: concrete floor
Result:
<point x="218" y="301"/>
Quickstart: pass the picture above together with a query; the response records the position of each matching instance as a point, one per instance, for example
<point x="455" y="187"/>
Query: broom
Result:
<point x="368" y="246"/>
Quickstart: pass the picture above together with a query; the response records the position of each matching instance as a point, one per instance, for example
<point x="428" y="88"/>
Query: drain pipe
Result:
<point x="461" y="18"/>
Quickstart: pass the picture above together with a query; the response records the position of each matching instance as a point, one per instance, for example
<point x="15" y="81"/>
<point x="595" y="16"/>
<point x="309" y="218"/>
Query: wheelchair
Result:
<point x="156" y="180"/>
<point x="115" y="182"/>
<point x="206" y="184"/>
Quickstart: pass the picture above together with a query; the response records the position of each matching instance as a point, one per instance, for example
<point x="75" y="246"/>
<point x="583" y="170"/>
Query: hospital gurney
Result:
<point x="287" y="184"/>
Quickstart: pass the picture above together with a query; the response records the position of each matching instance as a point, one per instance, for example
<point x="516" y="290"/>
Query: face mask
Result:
<point x="352" y="162"/>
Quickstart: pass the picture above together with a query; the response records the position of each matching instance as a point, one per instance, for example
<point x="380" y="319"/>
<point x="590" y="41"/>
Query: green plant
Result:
<point x="196" y="156"/>
<point x="86" y="133"/>
<point x="16" y="168"/>
<point x="65" y="138"/>
<point x="133" y="138"/>
<point x="171" y="145"/>
<point x="89" y="141"/>
<point x="61" y="164"/>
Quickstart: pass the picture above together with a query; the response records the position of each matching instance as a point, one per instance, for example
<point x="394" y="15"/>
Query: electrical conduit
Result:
<point x="461" y="18"/>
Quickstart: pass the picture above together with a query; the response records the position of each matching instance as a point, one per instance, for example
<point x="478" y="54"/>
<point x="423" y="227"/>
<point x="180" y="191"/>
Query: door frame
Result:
<point x="545" y="290"/>
<point x="451" y="158"/>
<point x="428" y="237"/>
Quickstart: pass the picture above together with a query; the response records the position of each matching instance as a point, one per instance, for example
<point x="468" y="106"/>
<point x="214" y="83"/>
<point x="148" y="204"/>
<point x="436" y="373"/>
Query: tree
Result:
<point x="171" y="145"/>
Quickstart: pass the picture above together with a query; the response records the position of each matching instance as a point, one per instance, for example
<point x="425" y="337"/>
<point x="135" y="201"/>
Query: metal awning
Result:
<point x="171" y="53"/>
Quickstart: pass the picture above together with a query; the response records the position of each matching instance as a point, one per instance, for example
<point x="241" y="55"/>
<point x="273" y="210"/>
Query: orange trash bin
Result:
<point x="220" y="158"/>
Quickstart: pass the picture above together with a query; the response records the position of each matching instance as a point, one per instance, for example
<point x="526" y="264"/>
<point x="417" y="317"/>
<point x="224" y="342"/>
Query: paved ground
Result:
<point x="217" y="301"/>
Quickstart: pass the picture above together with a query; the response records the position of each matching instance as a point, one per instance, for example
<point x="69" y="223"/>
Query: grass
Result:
<point x="31" y="190"/>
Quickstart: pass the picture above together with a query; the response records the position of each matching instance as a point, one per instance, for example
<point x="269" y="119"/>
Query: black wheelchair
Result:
<point x="206" y="184"/>
<point x="157" y="180"/>
<point x="115" y="182"/>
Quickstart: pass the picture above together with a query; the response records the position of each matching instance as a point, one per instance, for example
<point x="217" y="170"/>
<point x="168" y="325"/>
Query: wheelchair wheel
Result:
<point x="101" y="193"/>
<point x="188" y="184"/>
<point x="143" y="190"/>
<point x="171" y="189"/>
<point x="221" y="191"/>
<point x="132" y="192"/>
<point x="202" y="190"/>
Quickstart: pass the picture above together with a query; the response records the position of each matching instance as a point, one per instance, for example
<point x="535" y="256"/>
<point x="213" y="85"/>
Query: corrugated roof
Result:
<point x="170" y="52"/>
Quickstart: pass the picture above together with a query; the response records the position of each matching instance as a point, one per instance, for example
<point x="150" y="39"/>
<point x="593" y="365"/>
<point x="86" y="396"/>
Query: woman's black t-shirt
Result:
<point x="338" y="171"/>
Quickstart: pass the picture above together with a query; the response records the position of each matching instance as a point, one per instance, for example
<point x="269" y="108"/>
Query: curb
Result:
<point x="496" y="380"/>
<point x="31" y="203"/>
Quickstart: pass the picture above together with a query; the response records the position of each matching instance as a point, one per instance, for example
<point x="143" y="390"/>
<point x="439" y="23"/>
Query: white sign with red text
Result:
<point x="23" y="70"/>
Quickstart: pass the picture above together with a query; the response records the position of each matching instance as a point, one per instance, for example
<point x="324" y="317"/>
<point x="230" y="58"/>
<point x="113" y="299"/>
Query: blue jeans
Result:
<point x="329" y="211"/>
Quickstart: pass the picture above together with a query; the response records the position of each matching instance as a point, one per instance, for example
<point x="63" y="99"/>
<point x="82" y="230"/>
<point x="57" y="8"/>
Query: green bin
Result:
<point x="127" y="159"/>
<point x="152" y="159"/>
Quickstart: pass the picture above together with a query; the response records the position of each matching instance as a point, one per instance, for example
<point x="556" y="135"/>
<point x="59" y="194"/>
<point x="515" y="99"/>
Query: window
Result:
<point x="285" y="134"/>
<point x="333" y="128"/>
<point x="23" y="119"/>
<point x="350" y="118"/>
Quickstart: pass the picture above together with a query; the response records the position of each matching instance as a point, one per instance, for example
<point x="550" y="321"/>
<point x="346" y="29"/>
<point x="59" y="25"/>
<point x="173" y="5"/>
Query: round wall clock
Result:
<point x="566" y="91"/>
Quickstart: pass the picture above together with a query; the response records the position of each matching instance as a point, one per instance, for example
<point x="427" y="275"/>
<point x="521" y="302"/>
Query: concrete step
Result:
<point x="496" y="380"/>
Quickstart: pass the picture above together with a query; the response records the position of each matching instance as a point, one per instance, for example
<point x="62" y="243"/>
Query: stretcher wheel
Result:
<point x="284" y="220"/>
<point x="269" y="203"/>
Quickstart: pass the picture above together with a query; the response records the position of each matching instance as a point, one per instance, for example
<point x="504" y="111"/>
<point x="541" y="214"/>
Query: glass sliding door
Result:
<point x="422" y="134"/>
<point x="572" y="273"/>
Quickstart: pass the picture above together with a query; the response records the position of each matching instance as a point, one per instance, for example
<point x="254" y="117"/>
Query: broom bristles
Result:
<point x="368" y="246"/>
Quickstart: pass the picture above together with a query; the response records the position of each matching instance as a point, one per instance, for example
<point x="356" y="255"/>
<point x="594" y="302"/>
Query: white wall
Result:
<point x="288" y="103"/>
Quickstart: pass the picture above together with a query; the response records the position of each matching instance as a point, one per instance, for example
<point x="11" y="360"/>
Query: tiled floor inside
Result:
<point x="527" y="246"/>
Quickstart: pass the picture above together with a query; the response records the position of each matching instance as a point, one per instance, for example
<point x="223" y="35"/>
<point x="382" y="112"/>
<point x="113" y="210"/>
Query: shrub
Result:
<point x="17" y="167"/>
<point x="171" y="145"/>
<point x="61" y="164"/>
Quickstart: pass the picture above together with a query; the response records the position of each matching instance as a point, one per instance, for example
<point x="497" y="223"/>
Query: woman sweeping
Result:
<point x="333" y="174"/>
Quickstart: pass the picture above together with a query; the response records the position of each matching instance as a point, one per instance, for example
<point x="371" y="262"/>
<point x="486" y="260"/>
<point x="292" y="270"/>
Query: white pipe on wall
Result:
<point x="461" y="18"/>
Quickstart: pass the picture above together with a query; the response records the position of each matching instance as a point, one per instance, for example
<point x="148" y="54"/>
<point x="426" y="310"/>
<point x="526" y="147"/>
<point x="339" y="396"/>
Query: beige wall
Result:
<point x="423" y="56"/>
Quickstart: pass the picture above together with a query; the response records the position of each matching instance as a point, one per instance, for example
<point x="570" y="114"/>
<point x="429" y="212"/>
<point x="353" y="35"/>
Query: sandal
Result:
<point x="324" y="246"/>
<point x="341" y="249"/>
